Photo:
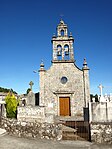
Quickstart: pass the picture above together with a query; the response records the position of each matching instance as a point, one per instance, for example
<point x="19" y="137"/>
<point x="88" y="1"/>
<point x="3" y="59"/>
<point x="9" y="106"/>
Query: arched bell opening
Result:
<point x="66" y="52"/>
<point x="59" y="52"/>
<point x="62" y="32"/>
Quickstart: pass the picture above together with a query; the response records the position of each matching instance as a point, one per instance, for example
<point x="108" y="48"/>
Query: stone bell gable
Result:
<point x="64" y="88"/>
<point x="62" y="44"/>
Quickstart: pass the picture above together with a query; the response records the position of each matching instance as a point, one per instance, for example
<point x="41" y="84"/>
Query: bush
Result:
<point x="11" y="105"/>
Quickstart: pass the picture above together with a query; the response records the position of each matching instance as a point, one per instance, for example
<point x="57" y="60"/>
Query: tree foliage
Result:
<point x="11" y="105"/>
<point x="94" y="96"/>
<point x="28" y="90"/>
<point x="5" y="90"/>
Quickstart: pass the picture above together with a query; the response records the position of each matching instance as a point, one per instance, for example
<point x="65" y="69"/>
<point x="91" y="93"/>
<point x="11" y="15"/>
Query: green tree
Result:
<point x="28" y="90"/>
<point x="11" y="105"/>
<point x="5" y="90"/>
<point x="91" y="96"/>
<point x="96" y="98"/>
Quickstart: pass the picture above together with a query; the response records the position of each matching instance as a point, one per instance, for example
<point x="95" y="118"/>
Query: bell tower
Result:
<point x="64" y="87"/>
<point x="62" y="44"/>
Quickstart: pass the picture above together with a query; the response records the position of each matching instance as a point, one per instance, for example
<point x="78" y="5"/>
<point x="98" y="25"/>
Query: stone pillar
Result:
<point x="2" y="109"/>
<point x="54" y="51"/>
<point x="63" y="53"/>
<point x="71" y="51"/>
<point x="41" y="83"/>
<point x="66" y="32"/>
<point x="90" y="111"/>
<point x="86" y="83"/>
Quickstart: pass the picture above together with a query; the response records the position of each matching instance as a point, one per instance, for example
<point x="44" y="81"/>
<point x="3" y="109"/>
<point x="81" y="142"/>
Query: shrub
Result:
<point x="11" y="105"/>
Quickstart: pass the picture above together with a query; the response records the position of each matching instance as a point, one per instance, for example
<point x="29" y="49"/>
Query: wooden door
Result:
<point x="64" y="106"/>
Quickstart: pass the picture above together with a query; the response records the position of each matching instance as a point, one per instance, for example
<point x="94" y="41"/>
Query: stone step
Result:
<point x="70" y="134"/>
<point x="68" y="129"/>
<point x="72" y="137"/>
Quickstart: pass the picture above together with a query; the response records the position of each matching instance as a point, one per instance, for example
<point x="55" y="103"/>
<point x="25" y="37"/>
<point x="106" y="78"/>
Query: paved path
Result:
<point x="11" y="142"/>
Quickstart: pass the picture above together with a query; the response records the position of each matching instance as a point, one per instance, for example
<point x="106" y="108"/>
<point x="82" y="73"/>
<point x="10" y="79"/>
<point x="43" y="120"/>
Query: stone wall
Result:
<point x="31" y="113"/>
<point x="101" y="133"/>
<point x="32" y="129"/>
<point x="76" y="87"/>
<point x="51" y="88"/>
<point x="100" y="112"/>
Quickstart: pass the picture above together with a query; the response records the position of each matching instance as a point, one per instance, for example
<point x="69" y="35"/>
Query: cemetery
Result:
<point x="63" y="109"/>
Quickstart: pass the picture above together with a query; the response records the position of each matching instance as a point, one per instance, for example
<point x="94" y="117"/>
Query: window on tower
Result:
<point x="59" y="52"/>
<point x="62" y="32"/>
<point x="66" y="51"/>
<point x="66" y="48"/>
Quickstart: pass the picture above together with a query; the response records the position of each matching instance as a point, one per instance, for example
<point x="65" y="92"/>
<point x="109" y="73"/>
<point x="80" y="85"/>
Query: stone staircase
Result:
<point x="70" y="134"/>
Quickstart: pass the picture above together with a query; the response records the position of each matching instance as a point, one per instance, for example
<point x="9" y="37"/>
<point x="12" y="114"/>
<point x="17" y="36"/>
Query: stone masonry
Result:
<point x="63" y="65"/>
<point x="31" y="114"/>
<point x="32" y="129"/>
<point x="101" y="132"/>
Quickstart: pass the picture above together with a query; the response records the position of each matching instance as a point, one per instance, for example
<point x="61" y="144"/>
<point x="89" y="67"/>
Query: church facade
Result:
<point x="64" y="88"/>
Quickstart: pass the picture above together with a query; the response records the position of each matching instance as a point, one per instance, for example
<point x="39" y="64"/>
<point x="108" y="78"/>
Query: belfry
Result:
<point x="64" y="88"/>
<point x="62" y="44"/>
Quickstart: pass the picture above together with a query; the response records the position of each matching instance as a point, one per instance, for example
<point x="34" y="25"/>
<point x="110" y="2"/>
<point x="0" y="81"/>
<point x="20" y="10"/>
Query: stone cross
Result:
<point x="31" y="84"/>
<point x="101" y="89"/>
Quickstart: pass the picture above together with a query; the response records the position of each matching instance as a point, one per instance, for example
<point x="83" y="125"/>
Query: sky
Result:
<point x="26" y="30"/>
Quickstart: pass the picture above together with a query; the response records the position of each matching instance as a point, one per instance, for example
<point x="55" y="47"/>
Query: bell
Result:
<point x="59" y="53"/>
<point x="66" y="52"/>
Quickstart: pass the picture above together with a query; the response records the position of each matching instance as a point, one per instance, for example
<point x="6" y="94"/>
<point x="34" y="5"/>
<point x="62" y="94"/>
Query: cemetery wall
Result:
<point x="101" y="132"/>
<point x="100" y="111"/>
<point x="31" y="113"/>
<point x="34" y="114"/>
<point x="32" y="129"/>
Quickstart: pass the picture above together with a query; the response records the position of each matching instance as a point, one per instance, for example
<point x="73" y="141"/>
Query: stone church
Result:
<point x="64" y="88"/>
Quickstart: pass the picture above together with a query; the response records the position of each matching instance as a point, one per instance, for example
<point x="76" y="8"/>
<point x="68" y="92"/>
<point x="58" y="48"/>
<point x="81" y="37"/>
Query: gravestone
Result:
<point x="101" y="98"/>
<point x="31" y="96"/>
<point x="30" y="99"/>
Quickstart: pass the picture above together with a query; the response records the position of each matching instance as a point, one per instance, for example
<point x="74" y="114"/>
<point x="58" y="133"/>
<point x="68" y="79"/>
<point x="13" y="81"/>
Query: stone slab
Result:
<point x="30" y="99"/>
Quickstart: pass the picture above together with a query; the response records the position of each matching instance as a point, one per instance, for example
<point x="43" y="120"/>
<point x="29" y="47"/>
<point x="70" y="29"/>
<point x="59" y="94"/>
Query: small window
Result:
<point x="62" y="32"/>
<point x="66" y="47"/>
<point x="59" y="50"/>
<point x="64" y="80"/>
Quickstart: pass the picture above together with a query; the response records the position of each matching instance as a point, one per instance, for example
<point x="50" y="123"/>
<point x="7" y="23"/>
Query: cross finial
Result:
<point x="101" y="89"/>
<point x="61" y="15"/>
<point x="85" y="63"/>
<point x="42" y="64"/>
<point x="31" y="84"/>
